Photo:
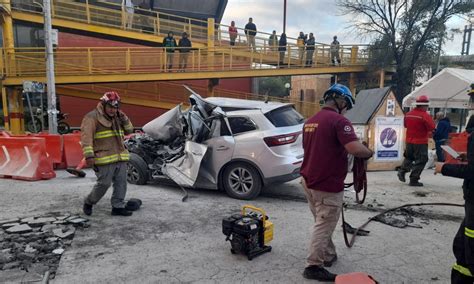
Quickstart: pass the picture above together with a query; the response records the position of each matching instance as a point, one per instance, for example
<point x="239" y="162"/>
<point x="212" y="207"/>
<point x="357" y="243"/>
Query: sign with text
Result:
<point x="388" y="138"/>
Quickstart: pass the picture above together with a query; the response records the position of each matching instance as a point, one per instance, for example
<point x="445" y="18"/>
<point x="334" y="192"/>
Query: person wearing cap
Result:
<point x="327" y="139"/>
<point x="463" y="245"/>
<point x="420" y="126"/>
<point x="102" y="134"/>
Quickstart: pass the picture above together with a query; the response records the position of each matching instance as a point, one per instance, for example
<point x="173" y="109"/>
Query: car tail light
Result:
<point x="281" y="139"/>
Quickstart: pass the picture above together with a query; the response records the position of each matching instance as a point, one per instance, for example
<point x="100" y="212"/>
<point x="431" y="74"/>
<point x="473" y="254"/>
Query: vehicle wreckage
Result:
<point x="220" y="143"/>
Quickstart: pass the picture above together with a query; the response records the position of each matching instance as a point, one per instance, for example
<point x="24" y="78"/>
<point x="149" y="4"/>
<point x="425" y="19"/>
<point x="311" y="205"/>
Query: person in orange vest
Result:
<point x="102" y="134"/>
<point x="420" y="126"/>
<point x="463" y="244"/>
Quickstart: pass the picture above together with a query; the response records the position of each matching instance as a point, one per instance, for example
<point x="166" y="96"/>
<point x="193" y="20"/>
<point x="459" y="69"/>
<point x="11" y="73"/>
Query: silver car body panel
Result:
<point x="204" y="159"/>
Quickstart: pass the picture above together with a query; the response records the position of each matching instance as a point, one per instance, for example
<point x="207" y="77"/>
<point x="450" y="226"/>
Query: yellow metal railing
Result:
<point x="108" y="14"/>
<point x="122" y="60"/>
<point x="104" y="13"/>
<point x="174" y="93"/>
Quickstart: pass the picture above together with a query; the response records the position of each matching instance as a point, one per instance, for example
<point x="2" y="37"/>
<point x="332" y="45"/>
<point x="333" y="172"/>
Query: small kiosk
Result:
<point x="378" y="120"/>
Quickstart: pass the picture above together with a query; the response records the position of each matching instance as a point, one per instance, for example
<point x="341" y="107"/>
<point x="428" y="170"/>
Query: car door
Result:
<point x="220" y="150"/>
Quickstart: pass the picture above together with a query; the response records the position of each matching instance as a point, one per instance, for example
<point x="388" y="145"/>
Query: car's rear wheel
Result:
<point x="242" y="181"/>
<point x="137" y="170"/>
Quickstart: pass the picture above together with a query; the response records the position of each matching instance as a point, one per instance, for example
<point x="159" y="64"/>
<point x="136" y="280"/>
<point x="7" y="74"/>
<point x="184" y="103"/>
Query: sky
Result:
<point x="321" y="17"/>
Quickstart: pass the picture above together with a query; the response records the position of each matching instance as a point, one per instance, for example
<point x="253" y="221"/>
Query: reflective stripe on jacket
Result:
<point x="102" y="137"/>
<point x="419" y="126"/>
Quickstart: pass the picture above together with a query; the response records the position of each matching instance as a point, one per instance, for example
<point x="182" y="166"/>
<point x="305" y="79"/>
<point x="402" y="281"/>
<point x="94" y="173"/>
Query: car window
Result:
<point x="241" y="124"/>
<point x="284" y="116"/>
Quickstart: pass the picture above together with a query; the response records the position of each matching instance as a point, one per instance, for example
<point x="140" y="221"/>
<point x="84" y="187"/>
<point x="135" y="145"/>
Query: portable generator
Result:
<point x="249" y="233"/>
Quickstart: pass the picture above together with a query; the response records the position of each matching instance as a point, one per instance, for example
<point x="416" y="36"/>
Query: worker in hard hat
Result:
<point x="463" y="245"/>
<point x="420" y="126"/>
<point x="328" y="137"/>
<point x="102" y="133"/>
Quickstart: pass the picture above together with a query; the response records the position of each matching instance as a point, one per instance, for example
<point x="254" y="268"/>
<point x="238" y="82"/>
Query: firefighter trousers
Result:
<point x="115" y="173"/>
<point x="416" y="157"/>
<point x="463" y="248"/>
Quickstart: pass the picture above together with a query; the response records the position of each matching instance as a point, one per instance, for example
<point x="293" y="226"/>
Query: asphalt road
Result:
<point x="168" y="241"/>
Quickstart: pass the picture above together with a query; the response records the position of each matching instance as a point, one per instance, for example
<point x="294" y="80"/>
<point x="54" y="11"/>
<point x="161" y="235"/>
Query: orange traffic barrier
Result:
<point x="25" y="158"/>
<point x="457" y="141"/>
<point x="54" y="147"/>
<point x="72" y="150"/>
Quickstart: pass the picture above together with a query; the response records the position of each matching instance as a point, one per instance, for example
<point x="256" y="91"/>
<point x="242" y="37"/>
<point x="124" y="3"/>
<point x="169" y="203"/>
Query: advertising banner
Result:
<point x="388" y="139"/>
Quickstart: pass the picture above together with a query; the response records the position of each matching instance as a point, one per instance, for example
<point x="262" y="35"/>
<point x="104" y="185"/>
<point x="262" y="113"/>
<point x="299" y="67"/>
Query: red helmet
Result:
<point x="422" y="101"/>
<point x="111" y="98"/>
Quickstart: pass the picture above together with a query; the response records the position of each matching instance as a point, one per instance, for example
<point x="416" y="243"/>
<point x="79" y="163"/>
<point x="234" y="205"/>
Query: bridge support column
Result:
<point x="352" y="78"/>
<point x="382" y="78"/>
<point x="15" y="110"/>
<point x="8" y="38"/>
<point x="5" y="109"/>
<point x="210" y="43"/>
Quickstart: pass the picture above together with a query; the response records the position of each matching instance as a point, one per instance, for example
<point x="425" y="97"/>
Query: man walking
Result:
<point x="420" y="126"/>
<point x="441" y="135"/>
<point x="184" y="45"/>
<point x="250" y="32"/>
<point x="327" y="138"/>
<point x="102" y="133"/>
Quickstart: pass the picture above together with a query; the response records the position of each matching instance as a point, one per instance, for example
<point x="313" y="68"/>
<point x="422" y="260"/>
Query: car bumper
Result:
<point x="283" y="178"/>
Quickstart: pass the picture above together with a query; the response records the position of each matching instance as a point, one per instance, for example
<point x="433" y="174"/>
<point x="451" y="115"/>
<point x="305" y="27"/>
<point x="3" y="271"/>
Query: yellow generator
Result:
<point x="249" y="233"/>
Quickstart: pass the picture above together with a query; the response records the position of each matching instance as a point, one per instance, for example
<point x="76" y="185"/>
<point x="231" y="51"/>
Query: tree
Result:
<point x="407" y="32"/>
<point x="273" y="86"/>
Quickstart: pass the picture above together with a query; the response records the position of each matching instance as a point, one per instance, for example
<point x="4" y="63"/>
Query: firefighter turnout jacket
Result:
<point x="419" y="125"/>
<point x="463" y="246"/>
<point x="102" y="136"/>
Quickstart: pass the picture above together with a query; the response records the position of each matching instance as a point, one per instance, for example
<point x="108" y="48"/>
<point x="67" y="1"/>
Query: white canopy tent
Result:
<point x="447" y="89"/>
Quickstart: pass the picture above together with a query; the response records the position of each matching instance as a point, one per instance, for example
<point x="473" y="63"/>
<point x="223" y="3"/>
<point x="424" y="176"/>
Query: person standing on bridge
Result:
<point x="327" y="138"/>
<point x="184" y="45"/>
<point x="128" y="10"/>
<point x="251" y="32"/>
<point x="273" y="42"/>
<point x="282" y="49"/>
<point x="102" y="134"/>
<point x="310" y="50"/>
<point x="169" y="43"/>
<point x="232" y="33"/>
<point x="334" y="51"/>
<point x="300" y="42"/>
<point x="420" y="126"/>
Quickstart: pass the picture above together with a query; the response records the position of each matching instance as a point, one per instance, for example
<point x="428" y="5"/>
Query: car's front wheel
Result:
<point x="137" y="170"/>
<point x="242" y="181"/>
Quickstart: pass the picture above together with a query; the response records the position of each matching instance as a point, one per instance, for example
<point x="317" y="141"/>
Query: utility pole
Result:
<point x="284" y="16"/>
<point x="52" y="112"/>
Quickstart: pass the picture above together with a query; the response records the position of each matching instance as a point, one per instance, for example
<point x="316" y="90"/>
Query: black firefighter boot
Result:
<point x="415" y="183"/>
<point x="121" y="212"/>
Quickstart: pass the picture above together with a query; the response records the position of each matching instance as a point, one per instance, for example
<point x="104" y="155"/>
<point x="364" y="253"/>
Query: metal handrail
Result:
<point x="140" y="60"/>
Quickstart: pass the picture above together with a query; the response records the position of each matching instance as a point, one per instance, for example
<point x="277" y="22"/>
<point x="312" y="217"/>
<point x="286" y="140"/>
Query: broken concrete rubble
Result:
<point x="35" y="244"/>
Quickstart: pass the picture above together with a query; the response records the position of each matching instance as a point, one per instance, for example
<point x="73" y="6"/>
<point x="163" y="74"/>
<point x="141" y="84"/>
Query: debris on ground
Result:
<point x="402" y="218"/>
<point x="35" y="244"/>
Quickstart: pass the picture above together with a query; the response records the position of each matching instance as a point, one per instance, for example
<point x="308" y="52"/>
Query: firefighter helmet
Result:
<point x="342" y="91"/>
<point x="111" y="98"/>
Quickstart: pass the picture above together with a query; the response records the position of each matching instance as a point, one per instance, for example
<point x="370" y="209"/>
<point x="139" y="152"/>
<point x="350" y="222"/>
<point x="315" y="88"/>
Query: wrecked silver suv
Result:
<point x="220" y="143"/>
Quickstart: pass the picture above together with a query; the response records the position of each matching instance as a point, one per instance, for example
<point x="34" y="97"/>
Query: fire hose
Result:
<point x="359" y="170"/>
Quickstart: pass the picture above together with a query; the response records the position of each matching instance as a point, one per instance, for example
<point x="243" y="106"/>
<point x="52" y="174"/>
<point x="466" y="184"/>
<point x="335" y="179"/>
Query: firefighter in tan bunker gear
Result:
<point x="102" y="134"/>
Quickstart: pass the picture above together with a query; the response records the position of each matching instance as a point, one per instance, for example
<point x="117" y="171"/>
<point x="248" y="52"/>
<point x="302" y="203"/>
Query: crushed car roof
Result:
<point x="228" y="104"/>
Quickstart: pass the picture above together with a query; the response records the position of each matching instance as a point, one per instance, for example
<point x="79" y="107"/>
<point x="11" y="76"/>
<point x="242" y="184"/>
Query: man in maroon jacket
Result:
<point x="327" y="138"/>
<point x="420" y="126"/>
